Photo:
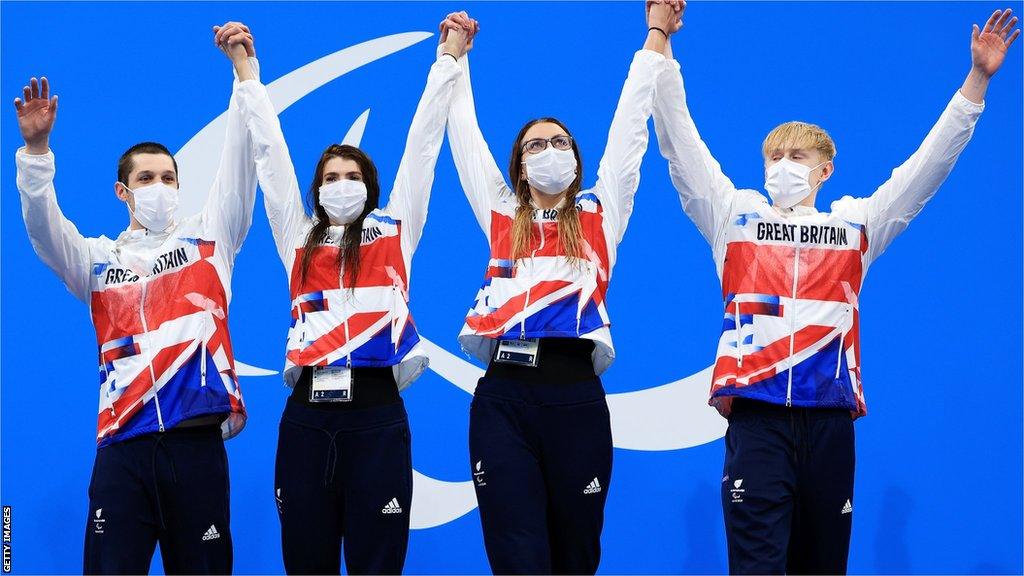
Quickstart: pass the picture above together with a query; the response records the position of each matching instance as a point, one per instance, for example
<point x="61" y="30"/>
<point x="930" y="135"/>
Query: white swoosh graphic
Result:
<point x="668" y="417"/>
<point x="355" y="133"/>
<point x="436" y="502"/>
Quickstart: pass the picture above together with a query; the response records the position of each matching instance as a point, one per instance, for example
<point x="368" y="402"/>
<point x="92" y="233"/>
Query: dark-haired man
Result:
<point x="158" y="295"/>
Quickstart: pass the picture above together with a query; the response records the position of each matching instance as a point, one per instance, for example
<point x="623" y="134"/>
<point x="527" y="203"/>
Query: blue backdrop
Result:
<point x="938" y="487"/>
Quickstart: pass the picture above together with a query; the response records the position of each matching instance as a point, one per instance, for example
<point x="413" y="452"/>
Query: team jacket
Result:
<point x="159" y="302"/>
<point x="791" y="279"/>
<point x="546" y="295"/>
<point x="368" y="324"/>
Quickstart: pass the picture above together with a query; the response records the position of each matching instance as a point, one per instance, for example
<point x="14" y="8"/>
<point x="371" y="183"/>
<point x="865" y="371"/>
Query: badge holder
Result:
<point x="522" y="352"/>
<point x="331" y="384"/>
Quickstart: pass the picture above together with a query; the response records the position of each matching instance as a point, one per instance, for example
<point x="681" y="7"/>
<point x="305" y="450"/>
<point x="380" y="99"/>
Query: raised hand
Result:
<point x="36" y="115"/>
<point x="677" y="5"/>
<point x="989" y="45"/>
<point x="459" y="21"/>
<point x="235" y="40"/>
<point x="665" y="15"/>
<point x="457" y="42"/>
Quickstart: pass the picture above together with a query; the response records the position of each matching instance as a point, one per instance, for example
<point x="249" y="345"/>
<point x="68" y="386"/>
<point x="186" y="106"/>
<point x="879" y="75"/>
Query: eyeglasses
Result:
<point x="537" y="145"/>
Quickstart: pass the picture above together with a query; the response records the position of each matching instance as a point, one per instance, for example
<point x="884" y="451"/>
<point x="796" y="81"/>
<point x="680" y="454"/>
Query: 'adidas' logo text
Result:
<point x="593" y="488"/>
<point x="211" y="534"/>
<point x="847" y="508"/>
<point x="392" y="507"/>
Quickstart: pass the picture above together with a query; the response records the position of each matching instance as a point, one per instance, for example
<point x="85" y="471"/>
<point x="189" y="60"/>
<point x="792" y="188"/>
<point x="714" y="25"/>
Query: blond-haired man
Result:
<point x="787" y="374"/>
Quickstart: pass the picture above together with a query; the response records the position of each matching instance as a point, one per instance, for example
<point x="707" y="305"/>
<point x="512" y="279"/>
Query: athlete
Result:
<point x="540" y="438"/>
<point x="788" y="370"/>
<point x="158" y="296"/>
<point x="344" y="468"/>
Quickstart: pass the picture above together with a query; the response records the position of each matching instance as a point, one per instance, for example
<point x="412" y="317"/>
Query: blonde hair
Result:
<point x="570" y="232"/>
<point x="797" y="136"/>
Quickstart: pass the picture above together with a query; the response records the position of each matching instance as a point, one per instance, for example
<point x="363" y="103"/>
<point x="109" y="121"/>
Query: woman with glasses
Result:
<point x="540" y="438"/>
<point x="344" y="469"/>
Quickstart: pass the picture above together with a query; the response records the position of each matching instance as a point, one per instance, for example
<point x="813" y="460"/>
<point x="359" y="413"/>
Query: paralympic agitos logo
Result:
<point x="667" y="417"/>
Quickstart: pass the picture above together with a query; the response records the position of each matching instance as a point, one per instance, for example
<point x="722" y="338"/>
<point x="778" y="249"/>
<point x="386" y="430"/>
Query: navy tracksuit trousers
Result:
<point x="787" y="490"/>
<point x="345" y="477"/>
<point x="169" y="487"/>
<point x="541" y="457"/>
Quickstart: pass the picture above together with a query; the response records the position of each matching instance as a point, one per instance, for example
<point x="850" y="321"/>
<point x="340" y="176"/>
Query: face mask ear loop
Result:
<point x="128" y="204"/>
<point x="820" y="182"/>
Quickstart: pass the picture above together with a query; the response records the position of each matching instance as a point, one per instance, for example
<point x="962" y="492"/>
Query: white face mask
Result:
<point x="787" y="184"/>
<point x="551" y="171"/>
<point x="154" y="205"/>
<point x="343" y="200"/>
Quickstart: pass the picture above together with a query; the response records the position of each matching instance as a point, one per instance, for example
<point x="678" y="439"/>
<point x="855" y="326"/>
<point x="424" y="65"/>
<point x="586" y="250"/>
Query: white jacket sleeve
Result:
<point x="479" y="175"/>
<point x="55" y="239"/>
<point x="227" y="214"/>
<point x="618" y="175"/>
<point x="281" y="195"/>
<point x="890" y="209"/>
<point x="706" y="194"/>
<point x="411" y="193"/>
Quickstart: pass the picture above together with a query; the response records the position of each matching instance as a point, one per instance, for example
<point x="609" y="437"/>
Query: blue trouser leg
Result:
<point x="170" y="488"/>
<point x="344" y="485"/>
<point x="787" y="478"/>
<point x="541" y="460"/>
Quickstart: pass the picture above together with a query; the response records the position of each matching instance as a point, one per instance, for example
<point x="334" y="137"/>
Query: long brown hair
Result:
<point x="570" y="233"/>
<point x="352" y="238"/>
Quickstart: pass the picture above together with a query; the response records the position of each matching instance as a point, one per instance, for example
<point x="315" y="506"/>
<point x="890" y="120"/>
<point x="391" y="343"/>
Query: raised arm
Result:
<point x="227" y="214"/>
<point x="54" y="238"/>
<point x="411" y="193"/>
<point x="889" y="210"/>
<point x="479" y="175"/>
<point x="618" y="175"/>
<point x="705" y="192"/>
<point x="274" y="169"/>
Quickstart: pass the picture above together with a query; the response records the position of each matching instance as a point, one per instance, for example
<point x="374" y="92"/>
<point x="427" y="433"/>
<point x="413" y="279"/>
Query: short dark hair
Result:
<point x="126" y="164"/>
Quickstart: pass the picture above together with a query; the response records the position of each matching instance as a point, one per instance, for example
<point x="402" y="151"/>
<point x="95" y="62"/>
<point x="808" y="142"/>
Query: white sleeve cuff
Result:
<point x="962" y="104"/>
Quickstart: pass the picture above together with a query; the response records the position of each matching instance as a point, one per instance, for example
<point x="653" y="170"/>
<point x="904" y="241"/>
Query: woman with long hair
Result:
<point x="344" y="467"/>
<point x="540" y="438"/>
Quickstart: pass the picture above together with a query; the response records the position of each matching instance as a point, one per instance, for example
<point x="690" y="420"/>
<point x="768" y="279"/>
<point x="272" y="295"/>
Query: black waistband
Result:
<point x="561" y="361"/>
<point x="332" y="421"/>
<point x="747" y="407"/>
<point x="370" y="387"/>
<point x="197" y="430"/>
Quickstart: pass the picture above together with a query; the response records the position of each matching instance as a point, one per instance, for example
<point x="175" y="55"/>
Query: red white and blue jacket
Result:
<point x="791" y="279"/>
<point x="368" y="324"/>
<point x="546" y="294"/>
<point x="159" y="302"/>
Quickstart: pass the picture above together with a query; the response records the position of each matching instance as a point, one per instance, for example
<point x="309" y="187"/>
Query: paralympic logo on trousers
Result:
<point x="667" y="417"/>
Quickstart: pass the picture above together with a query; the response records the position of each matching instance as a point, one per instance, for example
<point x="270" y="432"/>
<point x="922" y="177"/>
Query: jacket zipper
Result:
<point x="792" y="328"/>
<point x="344" y="314"/>
<point x="842" y="330"/>
<point x="394" y="316"/>
<point x="526" y="303"/>
<point x="202" y="358"/>
<point x="739" y="336"/>
<point x="149" y="357"/>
